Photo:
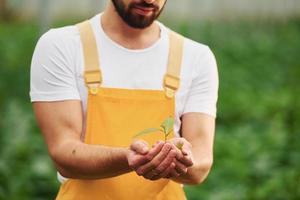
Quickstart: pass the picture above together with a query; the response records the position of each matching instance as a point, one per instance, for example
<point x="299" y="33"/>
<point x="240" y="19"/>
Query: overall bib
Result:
<point x="114" y="116"/>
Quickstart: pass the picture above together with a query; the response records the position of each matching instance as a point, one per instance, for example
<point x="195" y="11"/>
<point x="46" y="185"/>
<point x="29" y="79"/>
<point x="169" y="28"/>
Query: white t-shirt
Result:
<point x="57" y="69"/>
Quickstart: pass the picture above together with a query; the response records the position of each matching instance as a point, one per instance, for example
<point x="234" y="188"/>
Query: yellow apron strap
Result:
<point x="92" y="73"/>
<point x="172" y="77"/>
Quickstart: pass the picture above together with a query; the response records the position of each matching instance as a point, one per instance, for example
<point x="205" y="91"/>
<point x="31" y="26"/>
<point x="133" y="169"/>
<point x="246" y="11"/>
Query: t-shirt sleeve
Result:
<point x="52" y="74"/>
<point x="203" y="93"/>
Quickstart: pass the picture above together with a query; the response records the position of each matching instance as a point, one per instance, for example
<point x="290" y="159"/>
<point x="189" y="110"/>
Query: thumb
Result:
<point x="140" y="146"/>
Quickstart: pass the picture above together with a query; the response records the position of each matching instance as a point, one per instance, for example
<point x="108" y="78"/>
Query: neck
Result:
<point x="127" y="36"/>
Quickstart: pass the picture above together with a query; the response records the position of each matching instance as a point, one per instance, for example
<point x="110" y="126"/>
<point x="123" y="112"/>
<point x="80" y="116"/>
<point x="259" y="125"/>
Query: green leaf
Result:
<point x="167" y="134"/>
<point x="147" y="131"/>
<point x="164" y="130"/>
<point x="167" y="125"/>
<point x="179" y="145"/>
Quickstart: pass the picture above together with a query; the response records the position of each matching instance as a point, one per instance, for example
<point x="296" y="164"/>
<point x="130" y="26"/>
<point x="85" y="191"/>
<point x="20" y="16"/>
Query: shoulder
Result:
<point x="197" y="51"/>
<point x="59" y="45"/>
<point x="59" y="38"/>
<point x="193" y="49"/>
<point x="53" y="66"/>
<point x="61" y="33"/>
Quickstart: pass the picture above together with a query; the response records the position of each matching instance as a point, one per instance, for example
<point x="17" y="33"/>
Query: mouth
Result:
<point x="142" y="10"/>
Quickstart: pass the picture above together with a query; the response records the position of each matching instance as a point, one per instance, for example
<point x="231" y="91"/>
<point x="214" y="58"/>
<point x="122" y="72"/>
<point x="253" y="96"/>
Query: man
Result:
<point x="95" y="85"/>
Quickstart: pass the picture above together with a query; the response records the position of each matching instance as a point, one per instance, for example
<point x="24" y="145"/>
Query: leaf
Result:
<point x="147" y="131"/>
<point x="167" y="125"/>
<point x="164" y="130"/>
<point x="179" y="145"/>
<point x="168" y="133"/>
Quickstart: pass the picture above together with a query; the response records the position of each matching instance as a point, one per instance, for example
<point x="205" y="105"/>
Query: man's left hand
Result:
<point x="184" y="157"/>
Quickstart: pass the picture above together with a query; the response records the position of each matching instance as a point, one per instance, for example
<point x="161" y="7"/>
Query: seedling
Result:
<point x="166" y="128"/>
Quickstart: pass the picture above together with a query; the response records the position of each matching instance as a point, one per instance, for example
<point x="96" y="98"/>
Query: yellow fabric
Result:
<point x="175" y="55"/>
<point x="92" y="71"/>
<point x="172" y="77"/>
<point x="114" y="116"/>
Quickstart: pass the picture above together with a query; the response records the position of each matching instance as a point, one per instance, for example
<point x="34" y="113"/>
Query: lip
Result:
<point x="143" y="10"/>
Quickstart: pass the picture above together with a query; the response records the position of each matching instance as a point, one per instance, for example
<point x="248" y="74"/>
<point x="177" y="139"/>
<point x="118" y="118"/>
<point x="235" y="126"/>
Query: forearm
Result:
<point x="195" y="174"/>
<point x="83" y="161"/>
<point x="198" y="129"/>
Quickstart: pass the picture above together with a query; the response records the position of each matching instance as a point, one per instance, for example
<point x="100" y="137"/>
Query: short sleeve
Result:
<point x="203" y="93"/>
<point x="52" y="75"/>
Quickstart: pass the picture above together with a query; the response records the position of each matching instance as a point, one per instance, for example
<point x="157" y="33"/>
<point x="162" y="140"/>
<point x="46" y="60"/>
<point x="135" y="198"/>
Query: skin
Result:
<point x="130" y="12"/>
<point x="61" y="126"/>
<point x="125" y="35"/>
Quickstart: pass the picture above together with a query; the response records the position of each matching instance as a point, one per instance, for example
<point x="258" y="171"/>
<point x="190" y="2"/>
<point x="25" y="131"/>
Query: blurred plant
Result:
<point x="6" y="14"/>
<point x="166" y="128"/>
<point x="256" y="151"/>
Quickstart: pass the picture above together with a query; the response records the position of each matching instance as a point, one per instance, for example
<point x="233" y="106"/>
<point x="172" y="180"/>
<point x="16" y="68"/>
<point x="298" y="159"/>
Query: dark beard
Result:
<point x="135" y="20"/>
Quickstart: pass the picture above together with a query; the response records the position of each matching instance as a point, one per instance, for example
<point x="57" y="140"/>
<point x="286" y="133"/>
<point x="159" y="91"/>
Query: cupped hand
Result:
<point x="163" y="160"/>
<point x="154" y="163"/>
<point x="184" y="156"/>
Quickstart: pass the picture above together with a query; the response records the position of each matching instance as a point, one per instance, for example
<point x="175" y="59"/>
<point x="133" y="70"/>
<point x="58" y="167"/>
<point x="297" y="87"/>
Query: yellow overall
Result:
<point x="114" y="116"/>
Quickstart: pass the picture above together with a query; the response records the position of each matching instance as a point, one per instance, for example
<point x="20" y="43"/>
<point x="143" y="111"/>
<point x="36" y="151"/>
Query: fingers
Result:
<point x="173" y="174"/>
<point x="186" y="149"/>
<point x="155" y="150"/>
<point x="156" y="161"/>
<point x="164" y="160"/>
<point x="166" y="163"/>
<point x="179" y="154"/>
<point x="177" y="171"/>
<point x="160" y="170"/>
<point x="140" y="147"/>
<point x="180" y="168"/>
<point x="136" y="160"/>
<point x="187" y="158"/>
<point x="187" y="161"/>
<point x="185" y="154"/>
<point x="165" y="173"/>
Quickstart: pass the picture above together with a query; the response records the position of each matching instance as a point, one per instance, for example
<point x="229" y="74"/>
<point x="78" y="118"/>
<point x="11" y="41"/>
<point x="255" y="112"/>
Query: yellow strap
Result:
<point x="172" y="77"/>
<point x="92" y="72"/>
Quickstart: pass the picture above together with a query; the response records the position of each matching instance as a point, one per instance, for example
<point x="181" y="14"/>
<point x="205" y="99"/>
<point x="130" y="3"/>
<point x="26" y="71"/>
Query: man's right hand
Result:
<point x="153" y="164"/>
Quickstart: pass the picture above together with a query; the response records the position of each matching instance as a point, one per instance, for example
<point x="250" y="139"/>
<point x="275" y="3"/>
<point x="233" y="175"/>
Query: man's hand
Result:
<point x="164" y="160"/>
<point x="193" y="157"/>
<point x="153" y="163"/>
<point x="184" y="157"/>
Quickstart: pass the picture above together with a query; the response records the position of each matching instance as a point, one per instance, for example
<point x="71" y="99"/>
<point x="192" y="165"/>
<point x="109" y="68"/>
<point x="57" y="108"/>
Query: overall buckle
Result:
<point x="93" y="80"/>
<point x="171" y="84"/>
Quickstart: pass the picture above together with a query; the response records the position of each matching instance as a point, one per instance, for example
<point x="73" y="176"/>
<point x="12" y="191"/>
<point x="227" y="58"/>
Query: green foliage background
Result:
<point x="257" y="146"/>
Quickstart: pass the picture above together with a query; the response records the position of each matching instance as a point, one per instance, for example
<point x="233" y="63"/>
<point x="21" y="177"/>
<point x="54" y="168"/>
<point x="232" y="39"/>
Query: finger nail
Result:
<point x="145" y="149"/>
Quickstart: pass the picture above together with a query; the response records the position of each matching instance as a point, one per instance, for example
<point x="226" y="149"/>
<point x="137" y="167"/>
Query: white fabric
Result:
<point x="57" y="69"/>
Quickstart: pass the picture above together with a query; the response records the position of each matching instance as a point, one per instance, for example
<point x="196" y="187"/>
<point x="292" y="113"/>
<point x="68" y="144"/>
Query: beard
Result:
<point x="133" y="19"/>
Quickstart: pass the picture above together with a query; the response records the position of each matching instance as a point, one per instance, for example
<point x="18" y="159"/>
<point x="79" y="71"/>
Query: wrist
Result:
<point x="127" y="152"/>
